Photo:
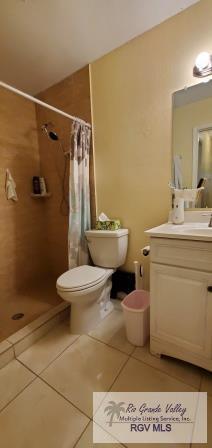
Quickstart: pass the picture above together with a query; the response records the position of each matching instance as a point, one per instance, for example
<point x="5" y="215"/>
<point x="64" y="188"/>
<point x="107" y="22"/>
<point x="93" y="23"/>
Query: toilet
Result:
<point x="88" y="288"/>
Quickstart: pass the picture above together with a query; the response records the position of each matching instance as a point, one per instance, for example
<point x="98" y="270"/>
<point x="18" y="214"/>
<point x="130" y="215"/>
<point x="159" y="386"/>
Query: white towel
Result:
<point x="178" y="178"/>
<point x="188" y="194"/>
<point x="10" y="187"/>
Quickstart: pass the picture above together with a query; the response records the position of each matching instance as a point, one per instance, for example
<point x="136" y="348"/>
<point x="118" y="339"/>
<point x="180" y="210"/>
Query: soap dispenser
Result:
<point x="178" y="210"/>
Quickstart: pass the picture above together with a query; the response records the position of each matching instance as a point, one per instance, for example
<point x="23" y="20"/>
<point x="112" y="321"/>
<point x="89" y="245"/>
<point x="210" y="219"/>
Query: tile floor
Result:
<point x="46" y="392"/>
<point x="32" y="302"/>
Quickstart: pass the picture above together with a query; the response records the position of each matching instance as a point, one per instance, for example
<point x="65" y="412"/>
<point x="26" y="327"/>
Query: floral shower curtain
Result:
<point x="79" y="195"/>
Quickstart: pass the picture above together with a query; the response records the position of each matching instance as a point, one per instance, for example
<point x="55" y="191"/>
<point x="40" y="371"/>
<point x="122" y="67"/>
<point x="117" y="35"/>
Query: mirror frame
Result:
<point x="196" y="130"/>
<point x="195" y="151"/>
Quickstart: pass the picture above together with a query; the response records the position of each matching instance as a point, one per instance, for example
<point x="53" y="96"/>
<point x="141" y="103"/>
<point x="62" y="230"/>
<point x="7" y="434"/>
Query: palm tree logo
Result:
<point x="114" y="409"/>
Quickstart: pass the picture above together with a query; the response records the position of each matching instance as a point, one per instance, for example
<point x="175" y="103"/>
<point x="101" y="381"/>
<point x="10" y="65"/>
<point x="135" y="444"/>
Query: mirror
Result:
<point x="192" y="141"/>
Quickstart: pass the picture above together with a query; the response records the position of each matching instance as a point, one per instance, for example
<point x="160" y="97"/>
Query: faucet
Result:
<point x="210" y="222"/>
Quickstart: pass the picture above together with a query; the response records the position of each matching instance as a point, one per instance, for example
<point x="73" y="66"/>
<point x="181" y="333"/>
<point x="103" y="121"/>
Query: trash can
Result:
<point x="136" y="313"/>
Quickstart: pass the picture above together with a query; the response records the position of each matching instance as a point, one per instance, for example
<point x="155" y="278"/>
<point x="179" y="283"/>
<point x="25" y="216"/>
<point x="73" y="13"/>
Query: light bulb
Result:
<point x="203" y="60"/>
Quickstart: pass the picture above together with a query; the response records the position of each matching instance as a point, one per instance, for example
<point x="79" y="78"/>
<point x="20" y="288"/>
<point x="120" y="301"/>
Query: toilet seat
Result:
<point x="80" y="278"/>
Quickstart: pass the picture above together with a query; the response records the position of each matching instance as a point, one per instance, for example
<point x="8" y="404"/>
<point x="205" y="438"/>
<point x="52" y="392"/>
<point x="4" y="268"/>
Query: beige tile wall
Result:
<point x="22" y="239"/>
<point x="33" y="233"/>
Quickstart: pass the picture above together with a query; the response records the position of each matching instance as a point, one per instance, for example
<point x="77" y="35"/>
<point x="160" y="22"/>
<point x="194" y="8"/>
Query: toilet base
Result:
<point x="106" y="310"/>
<point x="86" y="316"/>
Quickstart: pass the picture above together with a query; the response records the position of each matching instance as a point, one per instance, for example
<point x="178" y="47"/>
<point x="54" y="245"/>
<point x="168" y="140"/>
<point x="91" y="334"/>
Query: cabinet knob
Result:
<point x="209" y="288"/>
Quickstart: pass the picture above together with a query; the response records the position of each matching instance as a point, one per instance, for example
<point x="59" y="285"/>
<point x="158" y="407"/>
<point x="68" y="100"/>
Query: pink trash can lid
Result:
<point x="137" y="300"/>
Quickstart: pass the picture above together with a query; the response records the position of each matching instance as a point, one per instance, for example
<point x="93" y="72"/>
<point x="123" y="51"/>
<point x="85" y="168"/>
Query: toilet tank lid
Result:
<point x="107" y="233"/>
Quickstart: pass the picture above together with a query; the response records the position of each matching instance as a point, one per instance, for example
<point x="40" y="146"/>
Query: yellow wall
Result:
<point x="186" y="118"/>
<point x="132" y="113"/>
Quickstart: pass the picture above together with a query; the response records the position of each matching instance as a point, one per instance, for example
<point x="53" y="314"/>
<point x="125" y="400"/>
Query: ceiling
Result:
<point x="43" y="41"/>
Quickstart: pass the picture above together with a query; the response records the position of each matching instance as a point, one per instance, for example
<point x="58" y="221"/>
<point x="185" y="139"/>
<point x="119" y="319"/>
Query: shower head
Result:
<point x="50" y="134"/>
<point x="53" y="135"/>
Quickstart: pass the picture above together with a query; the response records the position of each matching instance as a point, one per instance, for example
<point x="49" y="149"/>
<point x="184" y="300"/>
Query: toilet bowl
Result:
<point x="88" y="288"/>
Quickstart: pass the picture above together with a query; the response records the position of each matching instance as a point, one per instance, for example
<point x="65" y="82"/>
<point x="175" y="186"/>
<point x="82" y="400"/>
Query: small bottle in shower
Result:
<point x="36" y="185"/>
<point x="43" y="189"/>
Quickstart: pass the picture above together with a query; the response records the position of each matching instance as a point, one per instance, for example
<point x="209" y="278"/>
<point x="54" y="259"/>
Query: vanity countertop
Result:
<point x="188" y="231"/>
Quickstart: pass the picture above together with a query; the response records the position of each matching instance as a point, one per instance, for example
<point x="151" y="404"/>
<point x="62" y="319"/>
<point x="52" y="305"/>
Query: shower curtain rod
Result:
<point x="41" y="103"/>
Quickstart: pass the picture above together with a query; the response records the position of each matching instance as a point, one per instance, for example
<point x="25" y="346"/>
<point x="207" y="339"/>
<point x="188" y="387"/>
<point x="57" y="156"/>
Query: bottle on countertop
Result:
<point x="178" y="211"/>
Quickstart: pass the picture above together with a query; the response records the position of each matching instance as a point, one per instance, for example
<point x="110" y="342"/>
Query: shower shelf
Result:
<point x="40" y="196"/>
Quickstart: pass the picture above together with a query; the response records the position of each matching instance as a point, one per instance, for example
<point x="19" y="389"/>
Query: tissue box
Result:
<point x="112" y="224"/>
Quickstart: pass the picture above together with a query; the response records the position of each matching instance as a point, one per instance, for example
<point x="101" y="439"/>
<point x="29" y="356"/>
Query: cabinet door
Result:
<point x="181" y="308"/>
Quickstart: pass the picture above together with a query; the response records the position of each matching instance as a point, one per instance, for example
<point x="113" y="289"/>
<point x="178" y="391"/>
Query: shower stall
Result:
<point x="34" y="141"/>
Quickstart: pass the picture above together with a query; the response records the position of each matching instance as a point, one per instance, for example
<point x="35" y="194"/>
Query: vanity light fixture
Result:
<point x="203" y="65"/>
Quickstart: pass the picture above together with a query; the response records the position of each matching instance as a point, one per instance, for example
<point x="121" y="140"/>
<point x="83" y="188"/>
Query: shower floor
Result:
<point x="34" y="302"/>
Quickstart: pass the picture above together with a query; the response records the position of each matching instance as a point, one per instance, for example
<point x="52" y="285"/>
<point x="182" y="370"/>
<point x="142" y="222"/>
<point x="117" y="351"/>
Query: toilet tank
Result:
<point x="108" y="248"/>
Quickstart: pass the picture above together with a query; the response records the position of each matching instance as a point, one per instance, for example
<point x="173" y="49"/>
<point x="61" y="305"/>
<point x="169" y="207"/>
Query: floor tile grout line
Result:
<point x="201" y="380"/>
<point x="62" y="352"/>
<point x="119" y="350"/>
<point x="69" y="401"/>
<point x="55" y="390"/>
<point x="119" y="373"/>
<point x="83" y="432"/>
<point x="165" y="373"/>
<point x="37" y="375"/>
<point x="108" y="345"/>
<point x="19" y="393"/>
<point x="133" y="357"/>
<point x="116" y="377"/>
<point x="65" y="398"/>
<point x="3" y="341"/>
<point x="13" y="347"/>
<point x="59" y="393"/>
<point x="51" y="387"/>
<point x="129" y="355"/>
<point x="48" y="365"/>
<point x="87" y="334"/>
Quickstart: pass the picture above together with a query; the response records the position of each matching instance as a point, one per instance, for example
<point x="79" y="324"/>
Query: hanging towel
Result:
<point x="10" y="187"/>
<point x="178" y="178"/>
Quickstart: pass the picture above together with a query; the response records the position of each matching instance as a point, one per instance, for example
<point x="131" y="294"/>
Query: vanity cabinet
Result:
<point x="181" y="300"/>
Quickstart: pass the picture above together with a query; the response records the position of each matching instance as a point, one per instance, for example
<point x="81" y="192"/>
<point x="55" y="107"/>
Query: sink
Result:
<point x="199" y="231"/>
<point x="197" y="228"/>
<point x="200" y="228"/>
<point x="188" y="230"/>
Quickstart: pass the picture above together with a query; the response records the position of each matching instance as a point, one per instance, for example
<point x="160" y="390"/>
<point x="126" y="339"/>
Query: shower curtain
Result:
<point x="79" y="195"/>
